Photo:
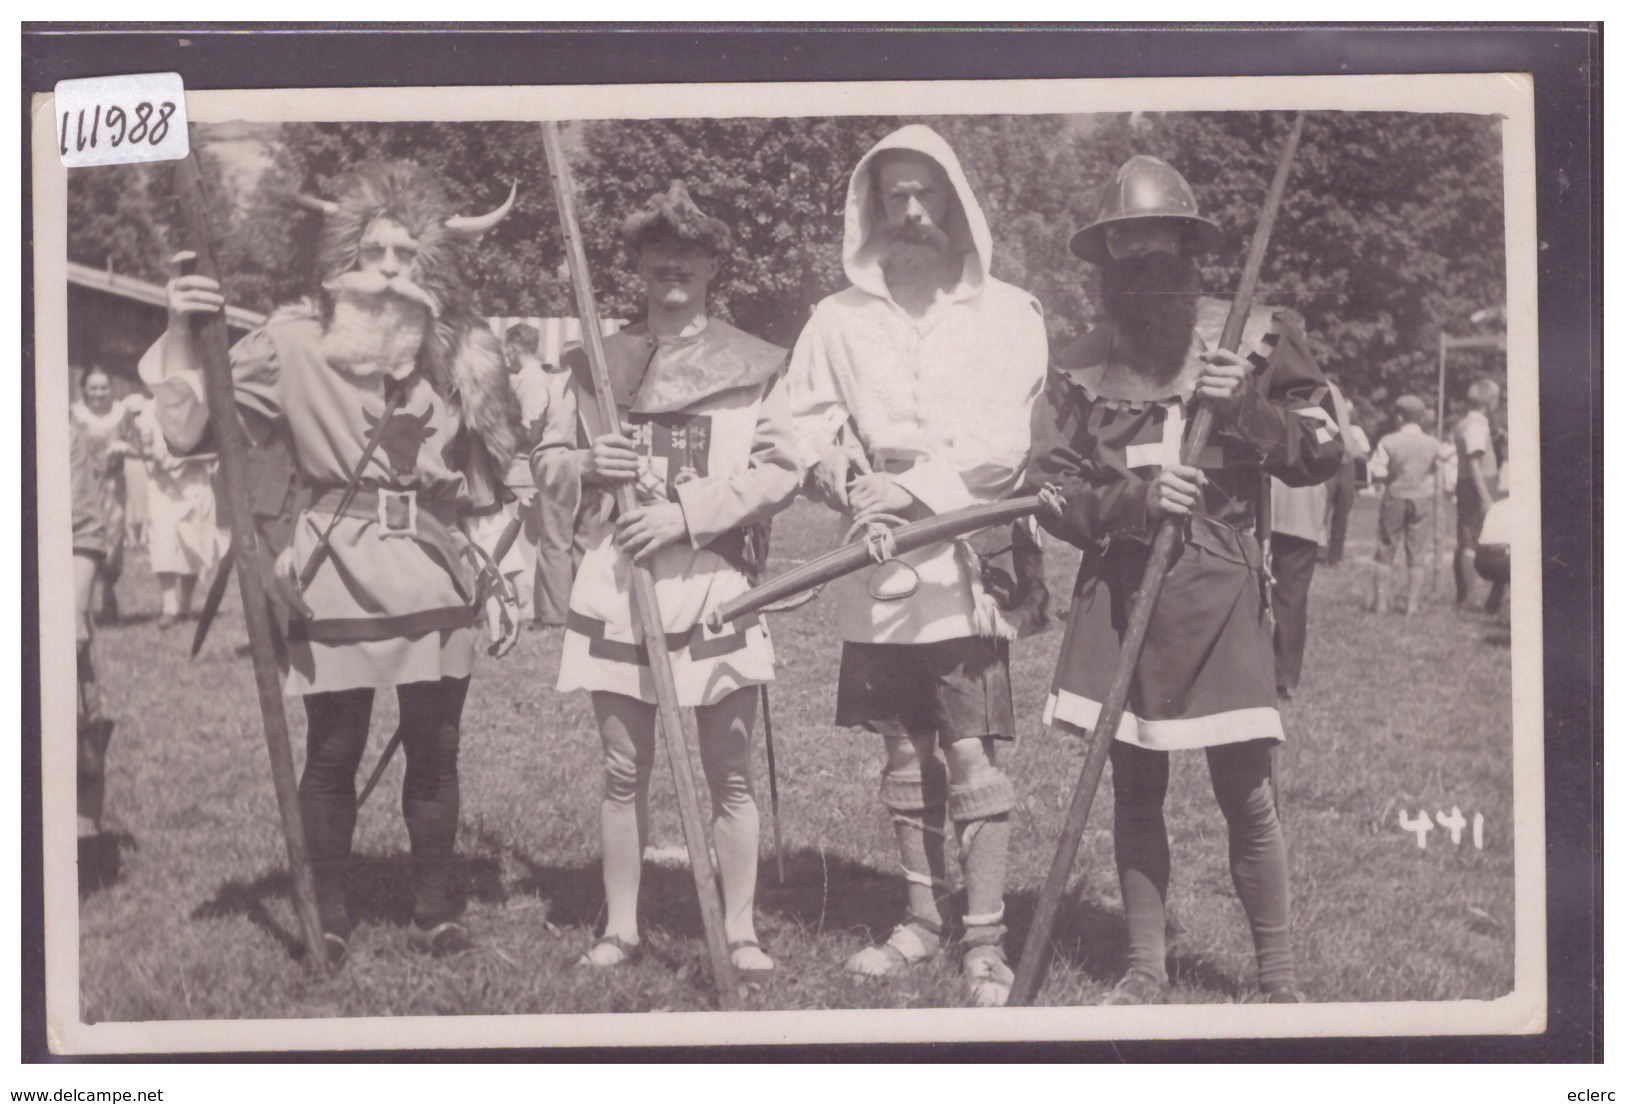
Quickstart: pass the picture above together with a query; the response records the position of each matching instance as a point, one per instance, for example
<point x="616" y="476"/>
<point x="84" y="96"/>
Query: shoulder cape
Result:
<point x="656" y="376"/>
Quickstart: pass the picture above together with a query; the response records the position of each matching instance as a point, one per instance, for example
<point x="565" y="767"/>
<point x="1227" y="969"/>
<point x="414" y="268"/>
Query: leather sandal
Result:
<point x="757" y="973"/>
<point x="913" y="941"/>
<point x="1135" y="988"/>
<point x="1278" y="994"/>
<point x="986" y="972"/>
<point x="336" y="949"/>
<point x="619" y="953"/>
<point x="440" y="941"/>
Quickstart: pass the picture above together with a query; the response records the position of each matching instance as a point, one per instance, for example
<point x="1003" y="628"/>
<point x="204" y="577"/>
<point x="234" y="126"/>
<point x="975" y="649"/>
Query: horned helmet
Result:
<point x="410" y="195"/>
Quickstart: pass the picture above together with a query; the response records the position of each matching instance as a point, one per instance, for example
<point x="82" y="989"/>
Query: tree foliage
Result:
<point x="121" y="217"/>
<point x="1391" y="230"/>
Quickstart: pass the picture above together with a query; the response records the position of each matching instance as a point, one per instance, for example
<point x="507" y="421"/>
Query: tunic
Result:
<point x="392" y="605"/>
<point x="1206" y="675"/>
<point x="713" y="438"/>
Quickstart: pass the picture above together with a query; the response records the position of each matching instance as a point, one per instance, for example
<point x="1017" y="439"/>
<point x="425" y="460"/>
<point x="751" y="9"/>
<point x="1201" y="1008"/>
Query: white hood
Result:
<point x="967" y="226"/>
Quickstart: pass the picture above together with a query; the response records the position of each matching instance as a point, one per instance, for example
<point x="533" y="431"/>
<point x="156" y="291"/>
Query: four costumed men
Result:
<point x="918" y="390"/>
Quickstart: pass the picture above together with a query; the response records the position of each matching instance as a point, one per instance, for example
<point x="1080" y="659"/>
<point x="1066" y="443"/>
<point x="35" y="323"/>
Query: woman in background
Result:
<point x="105" y="422"/>
<point x="184" y="540"/>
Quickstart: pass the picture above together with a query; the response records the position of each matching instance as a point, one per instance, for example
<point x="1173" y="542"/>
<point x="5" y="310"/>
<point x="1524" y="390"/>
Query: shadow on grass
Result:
<point x="378" y="890"/>
<point x="129" y="620"/>
<point x="824" y="893"/>
<point x="574" y="892"/>
<point x="1092" y="940"/>
<point x="100" y="860"/>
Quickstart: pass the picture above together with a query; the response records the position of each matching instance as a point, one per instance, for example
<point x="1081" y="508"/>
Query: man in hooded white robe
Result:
<point x="913" y="392"/>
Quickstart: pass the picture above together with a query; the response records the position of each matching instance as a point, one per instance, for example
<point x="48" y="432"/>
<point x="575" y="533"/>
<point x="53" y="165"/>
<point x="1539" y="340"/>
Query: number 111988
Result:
<point x="116" y="120"/>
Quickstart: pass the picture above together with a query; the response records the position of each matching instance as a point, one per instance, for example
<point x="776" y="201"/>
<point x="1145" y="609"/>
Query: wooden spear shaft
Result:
<point x="644" y="605"/>
<point x="210" y="335"/>
<point x="1035" y="951"/>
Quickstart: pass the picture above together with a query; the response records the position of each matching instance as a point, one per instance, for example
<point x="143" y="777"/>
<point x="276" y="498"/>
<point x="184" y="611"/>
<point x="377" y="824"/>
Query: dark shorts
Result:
<point x="1470" y="511"/>
<point x="1402" y="521"/>
<point x="950" y="689"/>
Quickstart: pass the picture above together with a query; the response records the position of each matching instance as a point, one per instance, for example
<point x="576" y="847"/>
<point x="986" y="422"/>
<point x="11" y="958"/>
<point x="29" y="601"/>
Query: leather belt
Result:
<point x="401" y="514"/>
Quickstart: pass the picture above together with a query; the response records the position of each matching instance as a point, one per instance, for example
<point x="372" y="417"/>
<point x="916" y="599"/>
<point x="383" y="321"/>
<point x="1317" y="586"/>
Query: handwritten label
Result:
<point x="121" y="120"/>
<point x="1454" y="822"/>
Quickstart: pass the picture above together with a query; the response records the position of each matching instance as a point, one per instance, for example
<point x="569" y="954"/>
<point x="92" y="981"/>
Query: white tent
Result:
<point x="556" y="333"/>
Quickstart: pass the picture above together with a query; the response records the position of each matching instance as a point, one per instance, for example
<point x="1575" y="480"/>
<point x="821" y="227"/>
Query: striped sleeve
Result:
<point x="1287" y="411"/>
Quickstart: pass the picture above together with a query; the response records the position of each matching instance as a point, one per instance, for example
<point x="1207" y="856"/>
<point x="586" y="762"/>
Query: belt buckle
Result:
<point x="397" y="513"/>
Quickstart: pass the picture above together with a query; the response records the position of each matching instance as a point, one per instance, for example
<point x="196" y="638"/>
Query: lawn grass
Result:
<point x="1395" y="715"/>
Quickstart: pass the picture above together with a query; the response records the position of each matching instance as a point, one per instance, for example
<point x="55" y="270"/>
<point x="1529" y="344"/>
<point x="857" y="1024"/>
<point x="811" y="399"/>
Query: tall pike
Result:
<point x="644" y="606"/>
<point x="228" y="435"/>
<point x="1035" y="951"/>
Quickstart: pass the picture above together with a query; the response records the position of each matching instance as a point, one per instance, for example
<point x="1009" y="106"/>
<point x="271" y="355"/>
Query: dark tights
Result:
<point x="1240" y="774"/>
<point x="337" y="736"/>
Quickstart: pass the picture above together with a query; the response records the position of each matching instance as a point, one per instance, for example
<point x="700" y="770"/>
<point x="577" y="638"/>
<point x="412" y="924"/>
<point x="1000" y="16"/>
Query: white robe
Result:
<point x="944" y="401"/>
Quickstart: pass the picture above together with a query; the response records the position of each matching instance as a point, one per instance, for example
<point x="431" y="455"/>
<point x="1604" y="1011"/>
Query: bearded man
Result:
<point x="392" y="364"/>
<point x="1107" y="433"/>
<point x="913" y="391"/>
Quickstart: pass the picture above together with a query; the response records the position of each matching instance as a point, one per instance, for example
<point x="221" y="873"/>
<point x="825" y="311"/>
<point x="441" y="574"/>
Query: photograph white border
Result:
<point x="1520" y="1012"/>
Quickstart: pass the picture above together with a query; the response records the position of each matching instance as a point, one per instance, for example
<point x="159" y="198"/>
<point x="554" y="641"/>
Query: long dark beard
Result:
<point x="913" y="254"/>
<point x="377" y="326"/>
<point x="1151" y="301"/>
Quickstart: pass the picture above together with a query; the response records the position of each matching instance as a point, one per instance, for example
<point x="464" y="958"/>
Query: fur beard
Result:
<point x="459" y="354"/>
<point x="1152" y="302"/>
<point x="372" y="334"/>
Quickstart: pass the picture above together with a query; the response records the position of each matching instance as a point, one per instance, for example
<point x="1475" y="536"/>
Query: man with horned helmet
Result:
<point x="390" y="393"/>
<point x="712" y="455"/>
<point x="913" y="391"/>
<point x="1107" y="433"/>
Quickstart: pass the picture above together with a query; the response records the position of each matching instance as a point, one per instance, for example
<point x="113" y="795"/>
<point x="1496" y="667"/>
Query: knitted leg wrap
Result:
<point x="917" y="799"/>
<point x="980" y="807"/>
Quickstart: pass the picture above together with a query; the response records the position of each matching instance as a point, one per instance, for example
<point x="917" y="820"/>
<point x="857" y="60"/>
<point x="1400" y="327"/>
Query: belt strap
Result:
<point x="435" y="526"/>
<point x="364" y="504"/>
<point x="698" y="645"/>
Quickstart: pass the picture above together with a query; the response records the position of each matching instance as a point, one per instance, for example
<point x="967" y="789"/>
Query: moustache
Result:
<point x="915" y="233"/>
<point x="363" y="285"/>
<point x="1151" y="273"/>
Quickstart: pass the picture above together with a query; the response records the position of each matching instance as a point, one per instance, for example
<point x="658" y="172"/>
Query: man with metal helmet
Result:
<point x="389" y="394"/>
<point x="1107" y="432"/>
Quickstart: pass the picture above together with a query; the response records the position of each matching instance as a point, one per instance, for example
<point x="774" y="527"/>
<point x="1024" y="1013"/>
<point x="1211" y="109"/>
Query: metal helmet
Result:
<point x="1146" y="187"/>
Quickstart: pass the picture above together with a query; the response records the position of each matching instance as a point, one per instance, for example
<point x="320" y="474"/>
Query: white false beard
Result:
<point x="375" y="331"/>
